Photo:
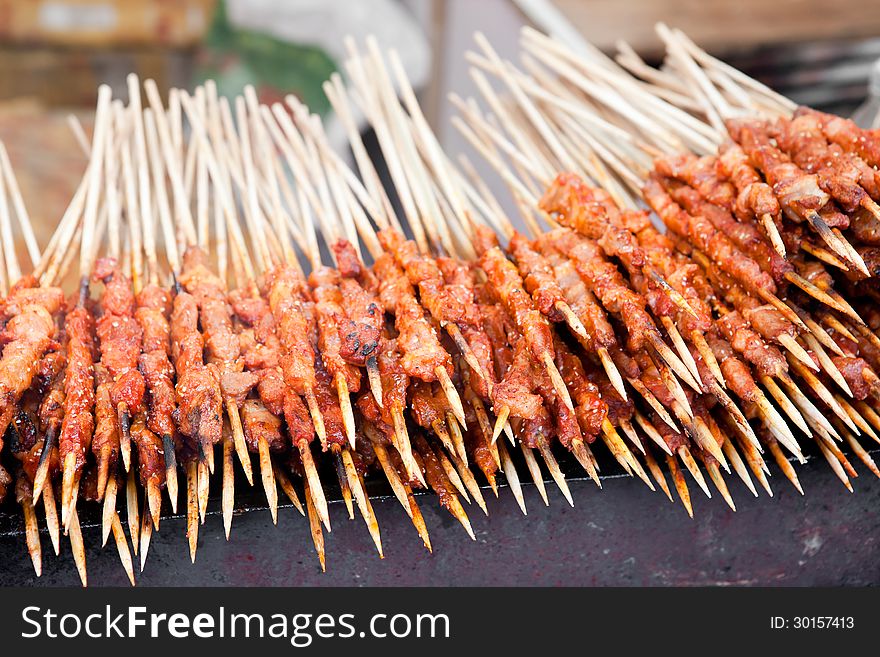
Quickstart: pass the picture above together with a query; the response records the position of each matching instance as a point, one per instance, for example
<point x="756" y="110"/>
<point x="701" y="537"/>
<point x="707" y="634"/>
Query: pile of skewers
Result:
<point x="232" y="316"/>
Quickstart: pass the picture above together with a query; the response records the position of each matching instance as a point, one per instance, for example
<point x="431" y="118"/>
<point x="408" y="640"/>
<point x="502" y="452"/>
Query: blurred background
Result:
<point x="54" y="53"/>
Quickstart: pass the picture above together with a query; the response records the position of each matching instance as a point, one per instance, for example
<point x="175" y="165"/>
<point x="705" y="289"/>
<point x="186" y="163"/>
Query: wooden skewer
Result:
<point x="828" y="297"/>
<point x="315" y="526"/>
<point x="502" y="424"/>
<point x="584" y="457"/>
<point x="796" y="350"/>
<point x="512" y="476"/>
<point x="452" y="474"/>
<point x="555" y="471"/>
<point x="652" y="432"/>
<point x="657" y="473"/>
<point x="812" y="414"/>
<point x="857" y="418"/>
<point x="40" y="477"/>
<point x="622" y="453"/>
<point x="773" y="233"/>
<point x="863" y="455"/>
<point x="739" y="466"/>
<point x="783" y="463"/>
<point x="823" y="393"/>
<point x="687" y="458"/>
<point x="708" y="356"/>
<point x="32" y="532"/>
<point x="654" y="403"/>
<point x="626" y="426"/>
<point x="672" y="361"/>
<point x="777" y="425"/>
<point x="401" y="490"/>
<point x="734" y="412"/>
<point x="720" y="484"/>
<point x="404" y="447"/>
<point x="122" y="547"/>
<point x="439" y="427"/>
<point x="74" y="533"/>
<point x="192" y="508"/>
<point x="470" y="483"/>
<point x="228" y="492"/>
<point x="132" y="511"/>
<point x="836" y="243"/>
<point x="483" y="422"/>
<point x="344" y="487"/>
<point x="788" y="407"/>
<point x="535" y="472"/>
<point x="834" y="462"/>
<point x="869" y="414"/>
<point x="457" y="438"/>
<point x="109" y="508"/>
<point x="146" y="535"/>
<point x="681" y="348"/>
<point x="316" y="494"/>
<point x="838" y="454"/>
<point x="51" y="513"/>
<point x="203" y="472"/>
<point x="363" y="501"/>
<point x="756" y="463"/>
<point x="288" y="489"/>
<point x="680" y="484"/>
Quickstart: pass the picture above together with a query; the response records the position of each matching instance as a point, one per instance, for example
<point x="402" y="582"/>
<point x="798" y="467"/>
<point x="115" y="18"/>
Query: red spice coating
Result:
<point x="79" y="386"/>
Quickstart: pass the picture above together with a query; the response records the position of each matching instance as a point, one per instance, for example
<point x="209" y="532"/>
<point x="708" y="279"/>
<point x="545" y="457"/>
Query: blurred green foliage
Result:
<point x="236" y="57"/>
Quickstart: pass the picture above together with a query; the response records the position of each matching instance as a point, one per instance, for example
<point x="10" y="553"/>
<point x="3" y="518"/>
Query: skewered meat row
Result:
<point x="839" y="175"/>
<point x="461" y="275"/>
<point x="286" y="292"/>
<point x="79" y="387"/>
<point x="507" y="284"/>
<point x="215" y="317"/>
<point x="420" y="347"/>
<point x="708" y="239"/>
<point x="336" y="332"/>
<point x="199" y="400"/>
<point x="699" y="199"/>
<point x="119" y="338"/>
<point x="152" y="314"/>
<point x="261" y="352"/>
<point x="606" y="282"/>
<point x="325" y="283"/>
<point x="28" y="334"/>
<point x="795" y="190"/>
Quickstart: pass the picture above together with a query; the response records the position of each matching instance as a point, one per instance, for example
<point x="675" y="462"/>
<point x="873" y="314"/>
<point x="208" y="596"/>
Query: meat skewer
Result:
<point x="119" y="337"/>
<point x="799" y="193"/>
<point x="152" y="311"/>
<point x="845" y="176"/>
<point x="336" y="356"/>
<point x="422" y="271"/>
<point x="199" y="403"/>
<point x="224" y="349"/>
<point x="448" y="305"/>
<point x="715" y="360"/>
<point x="755" y="198"/>
<point x="507" y="284"/>
<point x="541" y="278"/>
<point x="571" y="199"/>
<point x="29" y="335"/>
<point x="79" y="387"/>
<point x="286" y="138"/>
<point x="422" y="222"/>
<point x="364" y="312"/>
<point x="700" y="174"/>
